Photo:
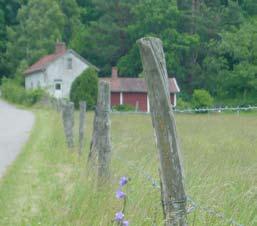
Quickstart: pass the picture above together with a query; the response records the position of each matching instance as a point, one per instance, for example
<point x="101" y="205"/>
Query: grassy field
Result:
<point x="50" y="186"/>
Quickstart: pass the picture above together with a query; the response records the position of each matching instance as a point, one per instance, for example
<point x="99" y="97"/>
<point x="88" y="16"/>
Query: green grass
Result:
<point x="48" y="185"/>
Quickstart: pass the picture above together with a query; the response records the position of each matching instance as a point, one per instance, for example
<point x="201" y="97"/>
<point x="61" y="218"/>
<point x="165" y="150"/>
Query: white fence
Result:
<point x="199" y="110"/>
<point x="218" y="110"/>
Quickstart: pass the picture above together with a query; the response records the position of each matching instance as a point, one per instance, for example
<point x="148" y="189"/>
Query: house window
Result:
<point x="69" y="63"/>
<point x="38" y="84"/>
<point x="58" y="86"/>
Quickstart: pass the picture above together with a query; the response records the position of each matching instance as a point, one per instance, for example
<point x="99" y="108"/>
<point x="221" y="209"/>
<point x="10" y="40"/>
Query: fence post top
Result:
<point x="104" y="83"/>
<point x="146" y="40"/>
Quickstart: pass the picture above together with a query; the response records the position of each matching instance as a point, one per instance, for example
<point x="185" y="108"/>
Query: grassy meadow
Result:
<point x="50" y="186"/>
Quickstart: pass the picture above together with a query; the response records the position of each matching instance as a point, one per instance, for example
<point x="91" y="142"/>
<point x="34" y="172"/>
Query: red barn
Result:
<point x="133" y="91"/>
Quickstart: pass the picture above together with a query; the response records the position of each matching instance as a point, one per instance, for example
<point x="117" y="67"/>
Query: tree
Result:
<point x="8" y="12"/>
<point x="41" y="23"/>
<point x="84" y="88"/>
<point x="72" y="22"/>
<point x="234" y="61"/>
<point x="107" y="38"/>
<point x="152" y="18"/>
<point x="250" y="6"/>
<point x="88" y="11"/>
<point x="202" y="99"/>
<point x="2" y="42"/>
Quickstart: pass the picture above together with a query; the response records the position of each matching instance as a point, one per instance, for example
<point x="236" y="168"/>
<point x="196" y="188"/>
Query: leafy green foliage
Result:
<point x="72" y="22"/>
<point x="152" y="18"/>
<point x="110" y="38"/>
<point x="201" y="99"/>
<point x="181" y="104"/>
<point x="8" y="12"/>
<point x="209" y="44"/>
<point x="232" y="65"/>
<point x="84" y="88"/>
<point x="41" y="23"/>
<point x="15" y="93"/>
<point x="123" y="108"/>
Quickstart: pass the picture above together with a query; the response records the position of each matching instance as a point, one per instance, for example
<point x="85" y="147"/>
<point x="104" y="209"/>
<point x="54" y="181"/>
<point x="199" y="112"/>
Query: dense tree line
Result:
<point x="210" y="44"/>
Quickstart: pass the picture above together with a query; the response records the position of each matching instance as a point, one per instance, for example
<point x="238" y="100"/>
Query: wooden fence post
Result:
<point x="82" y="118"/>
<point x="92" y="156"/>
<point x="101" y="143"/>
<point x="68" y="122"/>
<point x="155" y="72"/>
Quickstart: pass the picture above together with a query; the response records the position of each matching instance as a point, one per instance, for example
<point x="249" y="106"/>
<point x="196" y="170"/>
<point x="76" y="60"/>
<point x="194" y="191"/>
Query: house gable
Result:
<point x="44" y="62"/>
<point x="65" y="69"/>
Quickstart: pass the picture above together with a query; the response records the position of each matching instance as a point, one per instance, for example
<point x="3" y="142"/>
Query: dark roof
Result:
<point x="136" y="85"/>
<point x="41" y="64"/>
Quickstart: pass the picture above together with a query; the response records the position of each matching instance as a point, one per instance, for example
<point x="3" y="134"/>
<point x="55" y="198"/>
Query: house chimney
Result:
<point x="115" y="72"/>
<point x="60" y="47"/>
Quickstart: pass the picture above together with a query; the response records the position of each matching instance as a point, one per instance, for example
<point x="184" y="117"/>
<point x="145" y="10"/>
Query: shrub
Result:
<point x="181" y="104"/>
<point x="123" y="107"/>
<point x="15" y="93"/>
<point x="84" y="88"/>
<point x="202" y="99"/>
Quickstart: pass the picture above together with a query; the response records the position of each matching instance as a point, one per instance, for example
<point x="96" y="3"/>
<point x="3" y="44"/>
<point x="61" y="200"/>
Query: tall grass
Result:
<point x="48" y="185"/>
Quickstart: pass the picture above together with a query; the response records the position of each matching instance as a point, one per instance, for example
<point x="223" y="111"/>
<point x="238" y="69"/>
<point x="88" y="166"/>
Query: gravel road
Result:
<point x="15" y="127"/>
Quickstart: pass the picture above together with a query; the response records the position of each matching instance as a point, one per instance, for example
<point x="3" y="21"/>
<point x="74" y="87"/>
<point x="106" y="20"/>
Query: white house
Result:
<point x="56" y="72"/>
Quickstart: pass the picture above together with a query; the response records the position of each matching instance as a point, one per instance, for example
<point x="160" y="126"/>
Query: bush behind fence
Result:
<point x="13" y="92"/>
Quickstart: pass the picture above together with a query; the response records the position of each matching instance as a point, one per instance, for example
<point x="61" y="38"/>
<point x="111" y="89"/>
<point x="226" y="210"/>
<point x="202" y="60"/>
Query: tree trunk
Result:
<point x="173" y="193"/>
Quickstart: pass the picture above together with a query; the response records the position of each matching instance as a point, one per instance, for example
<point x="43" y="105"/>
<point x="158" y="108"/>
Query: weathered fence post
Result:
<point x="68" y="122"/>
<point x="155" y="72"/>
<point x="82" y="116"/>
<point x="92" y="156"/>
<point x="101" y="143"/>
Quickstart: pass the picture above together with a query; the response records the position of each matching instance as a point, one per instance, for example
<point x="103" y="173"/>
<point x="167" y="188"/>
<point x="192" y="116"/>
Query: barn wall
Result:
<point x="133" y="98"/>
<point x="173" y="99"/>
<point x="115" y="99"/>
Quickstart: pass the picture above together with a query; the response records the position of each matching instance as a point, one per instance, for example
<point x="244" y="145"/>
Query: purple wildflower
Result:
<point x="125" y="223"/>
<point x="120" y="194"/>
<point x="123" y="181"/>
<point x="119" y="216"/>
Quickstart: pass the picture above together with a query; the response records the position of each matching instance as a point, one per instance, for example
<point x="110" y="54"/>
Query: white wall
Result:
<point x="35" y="80"/>
<point x="58" y="70"/>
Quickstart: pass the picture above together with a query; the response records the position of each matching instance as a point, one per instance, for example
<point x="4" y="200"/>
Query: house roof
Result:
<point x="136" y="85"/>
<point x="42" y="64"/>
